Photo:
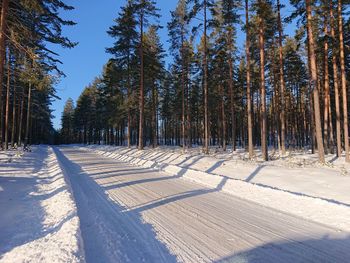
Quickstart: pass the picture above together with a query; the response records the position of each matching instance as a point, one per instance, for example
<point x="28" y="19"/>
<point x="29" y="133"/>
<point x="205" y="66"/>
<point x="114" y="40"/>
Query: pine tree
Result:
<point x="343" y="81"/>
<point x="144" y="9"/>
<point x="124" y="49"/>
<point x="314" y="81"/>
<point x="335" y="79"/>
<point x="178" y="31"/>
<point x="67" y="122"/>
<point x="282" y="81"/>
<point x="249" y="99"/>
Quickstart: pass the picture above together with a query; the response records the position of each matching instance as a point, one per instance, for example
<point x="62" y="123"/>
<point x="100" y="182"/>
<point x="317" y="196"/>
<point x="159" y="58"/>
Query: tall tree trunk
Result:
<point x="205" y="69"/>
<point x="326" y="89"/>
<point x="189" y="121"/>
<point x="249" y="99"/>
<point x="282" y="82"/>
<point x="223" y="118"/>
<point x="331" y="130"/>
<point x="3" y="24"/>
<point x="142" y="99"/>
<point x="26" y="139"/>
<point x="183" y="124"/>
<point x="230" y="84"/>
<point x="7" y="109"/>
<point x="154" y="117"/>
<point x="20" y="123"/>
<point x="276" y="112"/>
<point x="335" y="82"/>
<point x="128" y="101"/>
<point x="263" y="91"/>
<point x="343" y="81"/>
<point x="314" y="81"/>
<point x="13" y="129"/>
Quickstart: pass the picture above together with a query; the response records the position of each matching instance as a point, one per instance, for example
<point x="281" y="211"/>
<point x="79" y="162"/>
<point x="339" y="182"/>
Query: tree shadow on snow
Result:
<point x="109" y="232"/>
<point x="21" y="212"/>
<point x="325" y="250"/>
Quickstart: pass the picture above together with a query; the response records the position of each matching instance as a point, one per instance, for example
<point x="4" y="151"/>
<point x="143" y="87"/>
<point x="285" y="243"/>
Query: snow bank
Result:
<point x="289" y="196"/>
<point x="38" y="215"/>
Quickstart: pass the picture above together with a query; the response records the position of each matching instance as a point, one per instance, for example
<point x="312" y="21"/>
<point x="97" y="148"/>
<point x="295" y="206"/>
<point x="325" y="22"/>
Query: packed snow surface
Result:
<point x="318" y="193"/>
<point x="38" y="217"/>
<point x="144" y="206"/>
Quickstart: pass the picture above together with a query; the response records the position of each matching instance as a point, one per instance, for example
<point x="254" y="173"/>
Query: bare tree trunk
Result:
<point x="343" y="82"/>
<point x="154" y="118"/>
<point x="205" y="68"/>
<point x="189" y="116"/>
<point x="20" y="122"/>
<point x="263" y="91"/>
<point x="3" y="24"/>
<point x="128" y="101"/>
<point x="336" y="83"/>
<point x="326" y="89"/>
<point x="282" y="82"/>
<point x="314" y="80"/>
<point x="26" y="139"/>
<point x="183" y="124"/>
<point x="331" y="130"/>
<point x="13" y="130"/>
<point x="141" y="89"/>
<point x="7" y="102"/>
<point x="230" y="84"/>
<point x="276" y="108"/>
<point x="249" y="99"/>
<point x="223" y="119"/>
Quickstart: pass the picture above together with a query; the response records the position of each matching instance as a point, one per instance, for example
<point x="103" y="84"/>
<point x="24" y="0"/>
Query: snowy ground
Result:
<point x="161" y="206"/>
<point x="314" y="192"/>
<point x="38" y="217"/>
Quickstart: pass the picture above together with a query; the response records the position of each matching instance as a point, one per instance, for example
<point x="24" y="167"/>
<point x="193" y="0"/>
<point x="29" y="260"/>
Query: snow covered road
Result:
<point x="134" y="214"/>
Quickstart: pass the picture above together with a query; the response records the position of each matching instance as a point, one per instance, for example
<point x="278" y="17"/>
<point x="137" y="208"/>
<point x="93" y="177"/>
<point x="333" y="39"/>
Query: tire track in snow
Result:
<point x="200" y="225"/>
<point x="109" y="235"/>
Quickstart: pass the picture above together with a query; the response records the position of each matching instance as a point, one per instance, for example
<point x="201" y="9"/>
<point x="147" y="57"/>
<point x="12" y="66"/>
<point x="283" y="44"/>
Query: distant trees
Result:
<point x="278" y="93"/>
<point x="67" y="121"/>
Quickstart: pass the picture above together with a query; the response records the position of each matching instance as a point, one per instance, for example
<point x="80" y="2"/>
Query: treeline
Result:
<point x="28" y="69"/>
<point x="285" y="92"/>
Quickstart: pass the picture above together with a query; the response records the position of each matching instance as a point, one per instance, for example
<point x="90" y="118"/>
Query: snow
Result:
<point x="113" y="204"/>
<point x="315" y="192"/>
<point x="38" y="217"/>
<point x="117" y="236"/>
<point x="145" y="215"/>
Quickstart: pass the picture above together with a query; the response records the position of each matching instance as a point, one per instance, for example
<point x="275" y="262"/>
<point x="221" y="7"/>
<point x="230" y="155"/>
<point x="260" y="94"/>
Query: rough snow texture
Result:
<point x="38" y="217"/>
<point x="109" y="233"/>
<point x="138" y="214"/>
<point x="318" y="193"/>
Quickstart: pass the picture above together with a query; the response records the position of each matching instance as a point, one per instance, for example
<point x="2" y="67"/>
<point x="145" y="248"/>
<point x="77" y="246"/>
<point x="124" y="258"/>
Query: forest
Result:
<point x="279" y="92"/>
<point x="29" y="69"/>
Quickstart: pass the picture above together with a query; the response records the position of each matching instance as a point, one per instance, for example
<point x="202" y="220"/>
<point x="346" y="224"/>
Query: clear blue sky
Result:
<point x="83" y="63"/>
